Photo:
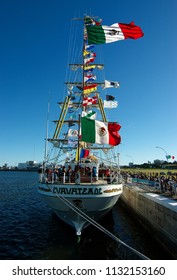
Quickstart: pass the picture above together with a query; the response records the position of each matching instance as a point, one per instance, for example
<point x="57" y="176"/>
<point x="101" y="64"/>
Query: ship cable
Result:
<point x="97" y="225"/>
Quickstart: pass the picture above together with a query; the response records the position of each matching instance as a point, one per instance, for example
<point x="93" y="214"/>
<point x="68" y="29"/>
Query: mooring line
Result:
<point x="97" y="225"/>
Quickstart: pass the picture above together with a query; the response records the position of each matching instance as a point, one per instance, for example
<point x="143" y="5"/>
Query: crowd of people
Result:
<point x="66" y="174"/>
<point x="165" y="183"/>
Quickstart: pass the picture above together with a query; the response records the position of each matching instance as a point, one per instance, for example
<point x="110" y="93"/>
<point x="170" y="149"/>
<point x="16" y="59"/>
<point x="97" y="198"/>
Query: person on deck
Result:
<point x="69" y="173"/>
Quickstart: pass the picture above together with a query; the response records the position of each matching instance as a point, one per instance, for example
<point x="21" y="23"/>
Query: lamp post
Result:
<point x="164" y="151"/>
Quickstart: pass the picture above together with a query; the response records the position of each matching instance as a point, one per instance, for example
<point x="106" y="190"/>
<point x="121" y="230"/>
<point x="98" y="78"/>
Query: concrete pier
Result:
<point x="157" y="214"/>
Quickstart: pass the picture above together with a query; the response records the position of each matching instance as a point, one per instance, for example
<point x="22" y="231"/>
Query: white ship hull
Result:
<point x="94" y="200"/>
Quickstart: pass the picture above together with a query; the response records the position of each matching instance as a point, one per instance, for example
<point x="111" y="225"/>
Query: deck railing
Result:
<point x="78" y="178"/>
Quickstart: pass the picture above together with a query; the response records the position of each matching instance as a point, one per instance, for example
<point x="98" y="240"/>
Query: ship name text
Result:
<point x="78" y="191"/>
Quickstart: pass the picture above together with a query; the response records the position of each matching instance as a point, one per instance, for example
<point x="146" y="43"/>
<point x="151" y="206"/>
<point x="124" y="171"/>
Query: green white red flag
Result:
<point x="118" y="31"/>
<point x="94" y="131"/>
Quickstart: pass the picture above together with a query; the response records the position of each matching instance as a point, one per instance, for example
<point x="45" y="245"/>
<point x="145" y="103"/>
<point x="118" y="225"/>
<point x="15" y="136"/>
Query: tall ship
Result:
<point x="80" y="178"/>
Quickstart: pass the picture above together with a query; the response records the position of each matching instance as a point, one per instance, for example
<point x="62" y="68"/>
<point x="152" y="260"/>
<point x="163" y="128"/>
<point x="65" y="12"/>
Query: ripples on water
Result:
<point x="30" y="230"/>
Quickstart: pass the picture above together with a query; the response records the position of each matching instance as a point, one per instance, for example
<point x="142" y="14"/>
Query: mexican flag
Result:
<point x="108" y="34"/>
<point x="94" y="131"/>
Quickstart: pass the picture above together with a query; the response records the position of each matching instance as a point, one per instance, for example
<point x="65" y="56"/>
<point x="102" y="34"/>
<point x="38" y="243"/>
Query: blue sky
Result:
<point x="34" y="39"/>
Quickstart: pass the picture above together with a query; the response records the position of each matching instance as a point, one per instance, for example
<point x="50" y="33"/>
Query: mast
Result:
<point x="47" y="128"/>
<point x="87" y="86"/>
<point x="79" y="116"/>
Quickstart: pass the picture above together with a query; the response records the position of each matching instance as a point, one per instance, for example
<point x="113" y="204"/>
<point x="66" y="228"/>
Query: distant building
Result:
<point x="22" y="165"/>
<point x="28" y="165"/>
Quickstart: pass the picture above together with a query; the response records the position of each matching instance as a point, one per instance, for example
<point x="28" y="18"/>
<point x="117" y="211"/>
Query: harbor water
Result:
<point x="30" y="230"/>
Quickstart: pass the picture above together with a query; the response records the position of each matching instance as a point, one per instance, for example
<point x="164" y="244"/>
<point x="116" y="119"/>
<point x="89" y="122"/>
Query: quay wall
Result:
<point x="157" y="214"/>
